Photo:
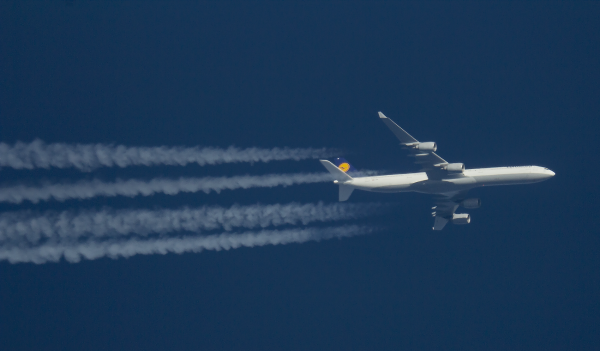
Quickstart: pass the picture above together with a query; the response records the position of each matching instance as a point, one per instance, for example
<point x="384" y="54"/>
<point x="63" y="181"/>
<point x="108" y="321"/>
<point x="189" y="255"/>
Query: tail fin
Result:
<point x="341" y="177"/>
<point x="337" y="173"/>
<point x="344" y="165"/>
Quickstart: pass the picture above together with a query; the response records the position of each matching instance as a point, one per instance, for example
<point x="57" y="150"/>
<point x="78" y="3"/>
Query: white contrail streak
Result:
<point x="33" y="228"/>
<point x="130" y="188"/>
<point x="86" y="157"/>
<point x="75" y="252"/>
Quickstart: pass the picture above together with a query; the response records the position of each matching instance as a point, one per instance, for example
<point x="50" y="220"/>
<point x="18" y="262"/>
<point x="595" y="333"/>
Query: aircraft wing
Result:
<point x="445" y="206"/>
<point x="429" y="161"/>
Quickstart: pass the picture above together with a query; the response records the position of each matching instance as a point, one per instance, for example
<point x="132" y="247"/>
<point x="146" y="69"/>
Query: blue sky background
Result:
<point x="494" y="84"/>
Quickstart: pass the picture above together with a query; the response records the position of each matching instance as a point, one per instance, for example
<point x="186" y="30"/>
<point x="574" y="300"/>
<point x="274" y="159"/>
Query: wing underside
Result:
<point x="429" y="161"/>
<point x="436" y="168"/>
<point x="445" y="206"/>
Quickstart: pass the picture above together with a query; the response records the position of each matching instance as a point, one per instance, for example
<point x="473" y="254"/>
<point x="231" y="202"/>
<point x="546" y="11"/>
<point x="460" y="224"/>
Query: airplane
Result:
<point x="449" y="182"/>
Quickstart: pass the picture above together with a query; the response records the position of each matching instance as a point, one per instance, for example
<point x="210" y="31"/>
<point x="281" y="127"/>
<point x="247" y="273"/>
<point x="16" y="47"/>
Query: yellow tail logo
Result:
<point x="344" y="167"/>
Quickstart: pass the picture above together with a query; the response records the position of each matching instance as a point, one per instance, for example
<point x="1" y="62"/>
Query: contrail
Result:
<point x="75" y="252"/>
<point x="130" y="188"/>
<point x="86" y="157"/>
<point x="34" y="228"/>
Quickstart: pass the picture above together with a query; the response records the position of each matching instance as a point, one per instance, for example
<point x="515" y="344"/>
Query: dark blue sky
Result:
<point x="494" y="84"/>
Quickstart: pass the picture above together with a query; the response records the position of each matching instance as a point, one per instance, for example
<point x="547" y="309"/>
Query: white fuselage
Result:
<point x="470" y="178"/>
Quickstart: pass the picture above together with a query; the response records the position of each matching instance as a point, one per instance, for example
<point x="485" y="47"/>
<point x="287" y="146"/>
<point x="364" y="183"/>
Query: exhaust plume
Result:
<point x="35" y="228"/>
<point x="75" y="252"/>
<point x="130" y="188"/>
<point x="87" y="157"/>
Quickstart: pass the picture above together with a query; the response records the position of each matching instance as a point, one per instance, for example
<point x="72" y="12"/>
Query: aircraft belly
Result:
<point x="430" y="186"/>
<point x="384" y="184"/>
<point x="444" y="186"/>
<point x="504" y="179"/>
<point x="423" y="186"/>
<point x="390" y="189"/>
<point x="385" y="188"/>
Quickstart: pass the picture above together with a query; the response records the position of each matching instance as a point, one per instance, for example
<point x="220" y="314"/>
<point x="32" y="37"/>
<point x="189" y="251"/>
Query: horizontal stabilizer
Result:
<point x="345" y="192"/>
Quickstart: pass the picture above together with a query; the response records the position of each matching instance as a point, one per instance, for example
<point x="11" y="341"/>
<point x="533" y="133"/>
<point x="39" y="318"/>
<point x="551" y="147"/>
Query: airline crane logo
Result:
<point x="344" y="167"/>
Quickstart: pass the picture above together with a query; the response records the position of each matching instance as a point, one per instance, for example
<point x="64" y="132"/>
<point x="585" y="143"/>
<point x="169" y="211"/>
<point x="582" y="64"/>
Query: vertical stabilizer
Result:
<point x="344" y="165"/>
<point x="337" y="173"/>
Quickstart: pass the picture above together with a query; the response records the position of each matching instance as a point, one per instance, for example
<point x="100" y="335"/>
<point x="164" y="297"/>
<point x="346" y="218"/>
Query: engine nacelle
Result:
<point x="455" y="167"/>
<point x="427" y="147"/>
<point x="471" y="203"/>
<point x="461" y="218"/>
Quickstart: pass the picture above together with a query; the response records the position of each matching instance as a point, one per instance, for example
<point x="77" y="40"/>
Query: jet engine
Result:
<point x="455" y="167"/>
<point x="461" y="218"/>
<point x="427" y="147"/>
<point x="471" y="203"/>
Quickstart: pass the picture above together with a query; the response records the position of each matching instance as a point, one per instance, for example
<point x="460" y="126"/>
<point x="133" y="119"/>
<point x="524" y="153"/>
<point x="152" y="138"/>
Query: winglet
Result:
<point x="381" y="115"/>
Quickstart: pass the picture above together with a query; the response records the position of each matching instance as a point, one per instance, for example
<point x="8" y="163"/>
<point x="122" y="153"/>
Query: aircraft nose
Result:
<point x="550" y="173"/>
